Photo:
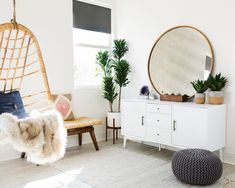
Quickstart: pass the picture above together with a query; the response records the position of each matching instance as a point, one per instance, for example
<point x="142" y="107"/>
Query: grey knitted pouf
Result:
<point x="197" y="166"/>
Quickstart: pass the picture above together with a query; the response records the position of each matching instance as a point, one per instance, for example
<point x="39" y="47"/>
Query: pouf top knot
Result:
<point x="197" y="166"/>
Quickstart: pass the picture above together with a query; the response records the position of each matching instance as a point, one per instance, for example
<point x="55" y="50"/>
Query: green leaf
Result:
<point x="108" y="88"/>
<point x="122" y="69"/>
<point x="120" y="49"/>
<point x="200" y="85"/>
<point x="217" y="82"/>
<point x="103" y="60"/>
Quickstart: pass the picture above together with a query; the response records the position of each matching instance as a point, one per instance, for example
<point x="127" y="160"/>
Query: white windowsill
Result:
<point x="87" y="87"/>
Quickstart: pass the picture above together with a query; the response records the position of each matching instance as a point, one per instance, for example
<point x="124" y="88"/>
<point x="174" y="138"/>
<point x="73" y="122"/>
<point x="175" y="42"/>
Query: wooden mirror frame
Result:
<point x="166" y="32"/>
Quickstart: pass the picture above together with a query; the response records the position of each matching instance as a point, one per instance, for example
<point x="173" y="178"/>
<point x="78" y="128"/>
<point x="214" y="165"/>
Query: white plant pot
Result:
<point x="216" y="97"/>
<point x="199" y="98"/>
<point x="114" y="117"/>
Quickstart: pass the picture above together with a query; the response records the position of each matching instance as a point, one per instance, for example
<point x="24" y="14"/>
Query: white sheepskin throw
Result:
<point x="41" y="136"/>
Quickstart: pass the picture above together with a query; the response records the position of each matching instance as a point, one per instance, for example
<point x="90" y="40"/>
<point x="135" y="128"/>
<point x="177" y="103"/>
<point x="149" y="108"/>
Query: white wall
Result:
<point x="51" y="22"/>
<point x="142" y="22"/>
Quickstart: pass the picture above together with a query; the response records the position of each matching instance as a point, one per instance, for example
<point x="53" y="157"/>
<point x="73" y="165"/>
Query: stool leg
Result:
<point x="22" y="155"/>
<point x="106" y="129"/>
<point x="80" y="139"/>
<point x="113" y="131"/>
<point x="117" y="134"/>
<point x="93" y="137"/>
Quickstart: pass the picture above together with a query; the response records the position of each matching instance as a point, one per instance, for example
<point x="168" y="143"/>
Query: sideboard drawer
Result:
<point x="159" y="120"/>
<point x="159" y="108"/>
<point x="158" y="135"/>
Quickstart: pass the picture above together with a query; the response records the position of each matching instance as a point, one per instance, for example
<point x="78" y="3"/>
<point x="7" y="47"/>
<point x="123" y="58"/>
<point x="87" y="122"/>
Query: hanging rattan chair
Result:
<point x="22" y="67"/>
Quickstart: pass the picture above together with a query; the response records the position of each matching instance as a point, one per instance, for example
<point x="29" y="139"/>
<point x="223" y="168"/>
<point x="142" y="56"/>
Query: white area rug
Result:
<point x="137" y="166"/>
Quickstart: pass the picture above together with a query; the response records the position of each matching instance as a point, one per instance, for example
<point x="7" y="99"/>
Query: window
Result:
<point x="91" y="33"/>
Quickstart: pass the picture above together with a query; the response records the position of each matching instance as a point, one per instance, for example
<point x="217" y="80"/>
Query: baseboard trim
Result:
<point x="229" y="158"/>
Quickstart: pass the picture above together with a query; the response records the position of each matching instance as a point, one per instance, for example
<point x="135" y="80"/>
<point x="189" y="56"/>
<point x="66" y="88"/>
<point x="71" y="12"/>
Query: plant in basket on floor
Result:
<point x="216" y="84"/>
<point x="200" y="86"/>
<point x="115" y="72"/>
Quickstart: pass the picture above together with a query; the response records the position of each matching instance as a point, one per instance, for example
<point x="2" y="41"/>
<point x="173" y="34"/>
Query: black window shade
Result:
<point x="91" y="17"/>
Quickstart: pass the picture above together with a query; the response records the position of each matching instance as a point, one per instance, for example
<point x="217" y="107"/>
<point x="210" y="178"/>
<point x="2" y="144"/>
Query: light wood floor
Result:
<point x="137" y="166"/>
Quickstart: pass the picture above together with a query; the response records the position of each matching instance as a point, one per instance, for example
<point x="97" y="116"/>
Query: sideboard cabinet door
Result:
<point x="189" y="127"/>
<point x="133" y="119"/>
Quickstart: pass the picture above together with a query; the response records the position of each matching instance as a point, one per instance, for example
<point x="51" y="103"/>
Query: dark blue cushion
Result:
<point x="12" y="103"/>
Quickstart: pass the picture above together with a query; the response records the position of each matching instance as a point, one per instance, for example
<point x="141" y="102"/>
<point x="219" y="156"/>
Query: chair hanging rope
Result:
<point x="14" y="14"/>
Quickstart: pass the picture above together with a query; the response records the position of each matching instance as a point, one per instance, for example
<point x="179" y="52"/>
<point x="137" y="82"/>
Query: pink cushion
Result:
<point x="62" y="103"/>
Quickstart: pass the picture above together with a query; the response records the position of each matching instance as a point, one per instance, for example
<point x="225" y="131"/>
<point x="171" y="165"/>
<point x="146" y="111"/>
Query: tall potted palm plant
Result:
<point x="115" y="72"/>
<point x="108" y="86"/>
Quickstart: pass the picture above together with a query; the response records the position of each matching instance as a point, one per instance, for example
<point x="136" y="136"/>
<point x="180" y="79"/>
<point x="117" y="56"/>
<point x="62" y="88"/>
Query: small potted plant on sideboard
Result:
<point x="200" y="86"/>
<point x="216" y="84"/>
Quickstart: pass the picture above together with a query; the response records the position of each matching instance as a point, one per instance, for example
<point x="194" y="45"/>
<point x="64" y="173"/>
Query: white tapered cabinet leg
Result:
<point x="159" y="147"/>
<point x="221" y="154"/>
<point x="124" y="142"/>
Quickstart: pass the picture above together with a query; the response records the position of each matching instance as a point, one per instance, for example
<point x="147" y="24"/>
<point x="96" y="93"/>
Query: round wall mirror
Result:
<point x="179" y="56"/>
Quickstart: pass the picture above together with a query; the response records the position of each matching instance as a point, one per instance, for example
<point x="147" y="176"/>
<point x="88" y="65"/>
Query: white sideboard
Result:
<point x="181" y="125"/>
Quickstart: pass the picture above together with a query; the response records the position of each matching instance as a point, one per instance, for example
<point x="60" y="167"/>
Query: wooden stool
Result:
<point x="114" y="128"/>
<point x="83" y="125"/>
